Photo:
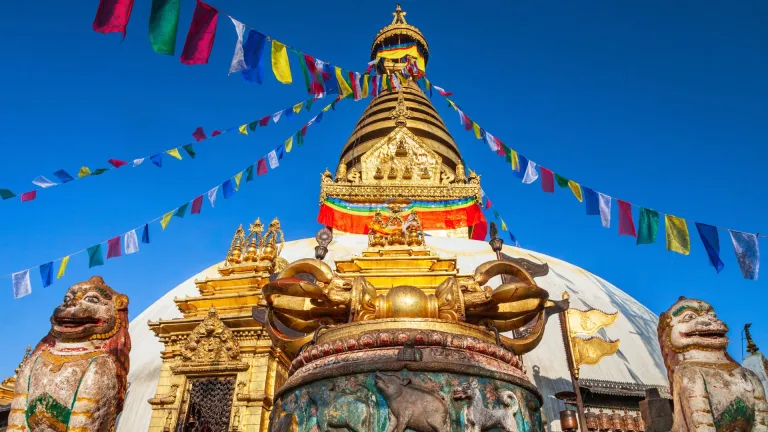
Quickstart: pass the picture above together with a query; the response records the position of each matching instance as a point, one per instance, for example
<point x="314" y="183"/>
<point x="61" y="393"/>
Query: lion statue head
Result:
<point x="690" y="325"/>
<point x="93" y="311"/>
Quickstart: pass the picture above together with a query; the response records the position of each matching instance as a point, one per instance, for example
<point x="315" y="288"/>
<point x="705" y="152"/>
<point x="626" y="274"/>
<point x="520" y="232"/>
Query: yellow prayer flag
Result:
<point x="84" y="171"/>
<point x="166" y="218"/>
<point x="174" y="153"/>
<point x="403" y="80"/>
<point x="453" y="105"/>
<point x="678" y="239"/>
<point x="280" y="66"/>
<point x="297" y="107"/>
<point x="243" y="129"/>
<point x="288" y="145"/>
<point x="576" y="189"/>
<point x="327" y="108"/>
<point x="364" y="92"/>
<point x="63" y="267"/>
<point x="503" y="225"/>
<point x="476" y="128"/>
<point x="237" y="178"/>
<point x="514" y="160"/>
<point x="345" y="89"/>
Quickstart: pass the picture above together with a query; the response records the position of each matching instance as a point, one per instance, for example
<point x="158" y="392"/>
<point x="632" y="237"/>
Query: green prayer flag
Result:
<point x="299" y="139"/>
<point x="495" y="214"/>
<point x="163" y="25"/>
<point x="190" y="150"/>
<point x="253" y="125"/>
<point x="308" y="104"/>
<point x="95" y="257"/>
<point x="648" y="226"/>
<point x="99" y="171"/>
<point x="304" y="70"/>
<point x="561" y="181"/>
<point x="181" y="211"/>
<point x="6" y="193"/>
<point x="249" y="174"/>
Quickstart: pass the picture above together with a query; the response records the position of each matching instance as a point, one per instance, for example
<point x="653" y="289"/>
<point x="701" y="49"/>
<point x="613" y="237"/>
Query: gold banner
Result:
<point x="590" y="351"/>
<point x="586" y="323"/>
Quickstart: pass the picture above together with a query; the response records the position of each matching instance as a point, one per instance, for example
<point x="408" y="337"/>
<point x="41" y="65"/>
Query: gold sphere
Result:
<point x="406" y="302"/>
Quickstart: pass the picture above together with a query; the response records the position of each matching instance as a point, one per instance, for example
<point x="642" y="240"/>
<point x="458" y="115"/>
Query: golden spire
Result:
<point x="751" y="346"/>
<point x="398" y="15"/>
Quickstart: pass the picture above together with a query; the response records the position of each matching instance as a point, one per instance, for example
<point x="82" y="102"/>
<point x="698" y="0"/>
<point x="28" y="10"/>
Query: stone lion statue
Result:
<point x="711" y="391"/>
<point x="75" y="379"/>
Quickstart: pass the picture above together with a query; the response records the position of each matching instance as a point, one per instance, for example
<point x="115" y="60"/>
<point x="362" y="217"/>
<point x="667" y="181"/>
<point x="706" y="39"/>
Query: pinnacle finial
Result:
<point x="401" y="112"/>
<point x="751" y="346"/>
<point x="399" y="15"/>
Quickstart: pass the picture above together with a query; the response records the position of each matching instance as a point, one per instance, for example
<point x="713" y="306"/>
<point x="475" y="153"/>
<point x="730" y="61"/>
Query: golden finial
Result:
<point x="234" y="255"/>
<point x="256" y="227"/>
<point x="26" y="356"/>
<point x="269" y="243"/>
<point x="398" y="15"/>
<point x="751" y="346"/>
<point x="400" y="113"/>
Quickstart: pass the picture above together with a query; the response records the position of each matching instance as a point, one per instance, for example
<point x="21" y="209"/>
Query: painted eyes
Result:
<point x="92" y="299"/>
<point x="688" y="316"/>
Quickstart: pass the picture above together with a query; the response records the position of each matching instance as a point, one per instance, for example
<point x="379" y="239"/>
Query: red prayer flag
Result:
<point x="117" y="163"/>
<point x="113" y="248"/>
<point x="216" y="132"/>
<point x="261" y="167"/>
<point x="264" y="120"/>
<point x="199" y="134"/>
<point x="626" y="224"/>
<point x="500" y="147"/>
<point x="487" y="204"/>
<point x="480" y="228"/>
<point x="197" y="47"/>
<point x="467" y="122"/>
<point x="547" y="180"/>
<point x="303" y="130"/>
<point x="28" y="196"/>
<point x="197" y="205"/>
<point x="112" y="16"/>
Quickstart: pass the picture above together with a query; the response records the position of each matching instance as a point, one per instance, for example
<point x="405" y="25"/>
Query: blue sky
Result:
<point x="658" y="103"/>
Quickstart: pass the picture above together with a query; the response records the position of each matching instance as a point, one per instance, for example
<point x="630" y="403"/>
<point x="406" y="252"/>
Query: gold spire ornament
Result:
<point x="751" y="345"/>
<point x="401" y="112"/>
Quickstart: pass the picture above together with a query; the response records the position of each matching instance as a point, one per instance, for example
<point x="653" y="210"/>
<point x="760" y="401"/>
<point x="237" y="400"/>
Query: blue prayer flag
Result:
<point x="512" y="237"/>
<point x="279" y="150"/>
<point x="229" y="188"/>
<point x="520" y="173"/>
<point x="46" y="274"/>
<point x="145" y="234"/>
<point x="592" y="201"/>
<point x="319" y="117"/>
<point x="329" y="79"/>
<point x="288" y="112"/>
<point x="157" y="160"/>
<point x="747" y="253"/>
<point x="711" y="240"/>
<point x="63" y="176"/>
<point x="253" y="48"/>
<point x="95" y="256"/>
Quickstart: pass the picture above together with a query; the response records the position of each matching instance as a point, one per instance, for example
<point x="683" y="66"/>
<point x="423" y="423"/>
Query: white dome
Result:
<point x="638" y="360"/>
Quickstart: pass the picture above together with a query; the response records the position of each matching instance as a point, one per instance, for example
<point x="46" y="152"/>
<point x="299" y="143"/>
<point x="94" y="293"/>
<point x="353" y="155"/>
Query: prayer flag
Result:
<point x="561" y="181"/>
<point x="166" y="219"/>
<point x="113" y="248"/>
<point x="272" y="157"/>
<point x="711" y="240"/>
<point x="329" y="76"/>
<point x="264" y="121"/>
<point x="137" y="162"/>
<point x="253" y="51"/>
<point x="366" y="85"/>
<point x="237" y="178"/>
<point x="488" y="203"/>
<point x="95" y="256"/>
<point x="354" y="79"/>
<point x="491" y="141"/>
<point x="99" y="171"/>
<point x="747" y="251"/>
<point x="253" y="125"/>
<point x="678" y="239"/>
<point x="145" y="234"/>
<point x="280" y="152"/>
<point x="62" y="267"/>
<point x="43" y="182"/>
<point x="117" y="163"/>
<point x="46" y="274"/>
<point x="28" y="196"/>
<point x="442" y="92"/>
<point x="238" y="58"/>
<point x="229" y="188"/>
<point x="514" y="160"/>
<point x="503" y="225"/>
<point x="63" y="176"/>
<point x="280" y="65"/>
<point x="197" y="205"/>
<point x="112" y="16"/>
<point x="547" y="180"/>
<point x="374" y="86"/>
<point x="289" y="144"/>
<point x="648" y="226"/>
<point x="297" y="107"/>
<point x="344" y="87"/>
<point x="163" y="24"/>
<point x="157" y="160"/>
<point x="216" y="132"/>
<point x="276" y="116"/>
<point x="318" y="118"/>
<point x="182" y="211"/>
<point x="626" y="224"/>
<point x="189" y="149"/>
<point x="6" y="194"/>
<point x="175" y="153"/>
<point x="202" y="32"/>
<point x="212" y="196"/>
<point x="576" y="189"/>
<point x="261" y="167"/>
<point x="522" y="166"/>
<point x="591" y="202"/>
<point x="249" y="174"/>
<point x="530" y="173"/>
<point x="476" y="129"/>
<point x="84" y="171"/>
<point x="21" y="284"/>
<point x="512" y="238"/>
<point x="131" y="242"/>
<point x="199" y="133"/>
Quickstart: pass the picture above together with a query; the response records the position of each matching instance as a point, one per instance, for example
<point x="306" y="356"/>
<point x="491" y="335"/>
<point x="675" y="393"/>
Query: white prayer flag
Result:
<point x="43" y="182"/>
<point x="489" y="139"/>
<point x="212" y="195"/>
<point x="357" y="83"/>
<point x="238" y="60"/>
<point x="482" y="193"/>
<point x="21" y="285"/>
<point x="137" y="162"/>
<point x="530" y="173"/>
<point x="605" y="209"/>
<point x="131" y="242"/>
<point x="272" y="158"/>
<point x="276" y="116"/>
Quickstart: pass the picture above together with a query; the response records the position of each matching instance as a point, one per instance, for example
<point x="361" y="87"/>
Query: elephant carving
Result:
<point x="411" y="406"/>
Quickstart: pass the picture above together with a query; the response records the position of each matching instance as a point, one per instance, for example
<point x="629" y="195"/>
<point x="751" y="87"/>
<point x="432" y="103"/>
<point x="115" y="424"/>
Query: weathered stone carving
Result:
<point x="75" y="379"/>
<point x="711" y="391"/>
<point x="479" y="418"/>
<point x="411" y="406"/>
<point x="345" y="409"/>
<point x="211" y="346"/>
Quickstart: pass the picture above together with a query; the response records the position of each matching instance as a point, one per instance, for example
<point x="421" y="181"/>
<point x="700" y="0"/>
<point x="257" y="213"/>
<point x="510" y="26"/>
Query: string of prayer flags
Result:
<point x="747" y="251"/>
<point x="131" y="242"/>
<point x="163" y="25"/>
<point x="95" y="256"/>
<point x="280" y="65"/>
<point x="112" y="16"/>
<point x="711" y="240"/>
<point x="202" y="32"/>
<point x="648" y="226"/>
<point x="114" y="249"/>
<point x="678" y="239"/>
<point x="626" y="224"/>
